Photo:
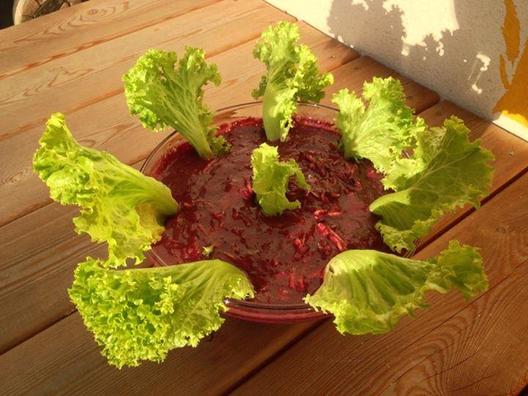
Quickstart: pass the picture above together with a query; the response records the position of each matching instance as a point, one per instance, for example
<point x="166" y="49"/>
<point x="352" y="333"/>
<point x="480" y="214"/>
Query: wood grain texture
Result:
<point x="64" y="359"/>
<point x="487" y="356"/>
<point x="436" y="338"/>
<point x="40" y="261"/>
<point x="65" y="78"/>
<point x="55" y="36"/>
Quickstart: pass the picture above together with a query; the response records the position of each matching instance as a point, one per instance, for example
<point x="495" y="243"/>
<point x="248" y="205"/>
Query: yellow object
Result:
<point x="514" y="103"/>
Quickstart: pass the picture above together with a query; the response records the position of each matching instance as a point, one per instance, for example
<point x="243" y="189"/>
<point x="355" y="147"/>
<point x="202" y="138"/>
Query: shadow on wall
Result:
<point x="462" y="64"/>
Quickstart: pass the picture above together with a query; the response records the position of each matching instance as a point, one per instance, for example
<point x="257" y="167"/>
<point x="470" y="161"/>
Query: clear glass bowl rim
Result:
<point x="258" y="308"/>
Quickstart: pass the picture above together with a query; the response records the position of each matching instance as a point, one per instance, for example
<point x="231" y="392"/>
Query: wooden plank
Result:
<point x="42" y="247"/>
<point x="63" y="359"/>
<point x="490" y="358"/>
<point x="104" y="89"/>
<point x="40" y="260"/>
<point x="373" y="363"/>
<point x="60" y="34"/>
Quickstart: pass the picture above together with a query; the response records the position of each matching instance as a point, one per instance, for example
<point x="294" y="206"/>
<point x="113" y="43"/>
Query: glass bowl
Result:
<point x="247" y="310"/>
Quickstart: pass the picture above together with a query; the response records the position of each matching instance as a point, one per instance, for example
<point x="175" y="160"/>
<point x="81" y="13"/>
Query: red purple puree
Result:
<point x="284" y="256"/>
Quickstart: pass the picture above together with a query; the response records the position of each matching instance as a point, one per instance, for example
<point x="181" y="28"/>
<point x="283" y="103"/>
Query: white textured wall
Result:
<point x="451" y="46"/>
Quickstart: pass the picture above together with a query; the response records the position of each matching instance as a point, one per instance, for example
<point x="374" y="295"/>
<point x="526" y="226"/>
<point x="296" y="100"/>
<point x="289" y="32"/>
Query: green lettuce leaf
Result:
<point x="164" y="94"/>
<point x="141" y="314"/>
<point x="119" y="205"/>
<point x="368" y="291"/>
<point x="452" y="172"/>
<point x="292" y="75"/>
<point x="380" y="131"/>
<point x="271" y="177"/>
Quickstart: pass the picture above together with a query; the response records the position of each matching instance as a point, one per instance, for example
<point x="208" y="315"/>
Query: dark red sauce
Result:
<point x="284" y="256"/>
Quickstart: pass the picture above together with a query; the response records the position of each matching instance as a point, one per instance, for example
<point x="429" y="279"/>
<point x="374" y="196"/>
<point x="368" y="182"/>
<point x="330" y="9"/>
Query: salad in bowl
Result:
<point x="278" y="210"/>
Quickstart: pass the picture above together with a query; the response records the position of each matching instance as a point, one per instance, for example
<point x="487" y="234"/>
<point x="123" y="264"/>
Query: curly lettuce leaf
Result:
<point x="163" y="92"/>
<point x="452" y="172"/>
<point x="292" y="75"/>
<point x="380" y="131"/>
<point x="119" y="205"/>
<point x="368" y="291"/>
<point x="271" y="177"/>
<point x="141" y="314"/>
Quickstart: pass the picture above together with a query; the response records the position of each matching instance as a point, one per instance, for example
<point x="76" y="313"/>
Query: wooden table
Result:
<point x="72" y="61"/>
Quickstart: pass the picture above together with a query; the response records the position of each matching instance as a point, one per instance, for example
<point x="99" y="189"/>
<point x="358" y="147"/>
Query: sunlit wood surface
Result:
<point x="72" y="61"/>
